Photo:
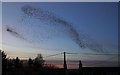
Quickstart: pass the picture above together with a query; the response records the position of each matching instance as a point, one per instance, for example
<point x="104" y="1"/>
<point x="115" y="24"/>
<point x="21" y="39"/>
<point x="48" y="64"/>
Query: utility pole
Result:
<point x="80" y="65"/>
<point x="80" y="68"/>
<point x="65" y="65"/>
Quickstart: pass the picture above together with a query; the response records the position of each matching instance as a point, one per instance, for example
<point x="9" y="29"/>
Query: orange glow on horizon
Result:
<point x="71" y="66"/>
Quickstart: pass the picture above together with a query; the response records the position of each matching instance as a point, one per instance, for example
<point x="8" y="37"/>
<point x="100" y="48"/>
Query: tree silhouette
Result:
<point x="17" y="61"/>
<point x="39" y="62"/>
<point x="30" y="62"/>
<point x="4" y="63"/>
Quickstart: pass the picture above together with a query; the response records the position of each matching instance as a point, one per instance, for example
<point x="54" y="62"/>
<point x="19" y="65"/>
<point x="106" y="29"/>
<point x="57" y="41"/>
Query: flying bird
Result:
<point x="14" y="33"/>
<point x="52" y="19"/>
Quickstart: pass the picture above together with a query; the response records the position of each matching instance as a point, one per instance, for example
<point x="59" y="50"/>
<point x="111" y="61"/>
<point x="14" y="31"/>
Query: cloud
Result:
<point x="21" y="54"/>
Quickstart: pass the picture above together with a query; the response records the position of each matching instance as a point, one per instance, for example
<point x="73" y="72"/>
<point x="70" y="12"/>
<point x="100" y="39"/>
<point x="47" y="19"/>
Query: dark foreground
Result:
<point x="83" y="71"/>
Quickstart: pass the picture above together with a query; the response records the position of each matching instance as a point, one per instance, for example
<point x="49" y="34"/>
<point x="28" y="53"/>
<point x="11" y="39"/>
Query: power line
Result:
<point x="53" y="55"/>
<point x="65" y="65"/>
<point x="71" y="53"/>
<point x="59" y="54"/>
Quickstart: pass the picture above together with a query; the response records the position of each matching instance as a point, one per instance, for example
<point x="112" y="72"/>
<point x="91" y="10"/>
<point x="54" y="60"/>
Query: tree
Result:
<point x="30" y="62"/>
<point x="39" y="62"/>
<point x="17" y="61"/>
<point x="4" y="63"/>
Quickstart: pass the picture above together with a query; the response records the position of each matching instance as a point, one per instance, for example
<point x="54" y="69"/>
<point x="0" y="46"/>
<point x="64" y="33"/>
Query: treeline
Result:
<point x="36" y="63"/>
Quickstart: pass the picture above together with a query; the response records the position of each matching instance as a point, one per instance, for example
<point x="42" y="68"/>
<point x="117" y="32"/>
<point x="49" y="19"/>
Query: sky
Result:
<point x="86" y="29"/>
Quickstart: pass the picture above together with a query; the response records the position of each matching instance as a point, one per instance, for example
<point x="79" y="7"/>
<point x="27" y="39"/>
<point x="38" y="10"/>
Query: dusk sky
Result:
<point x="51" y="28"/>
